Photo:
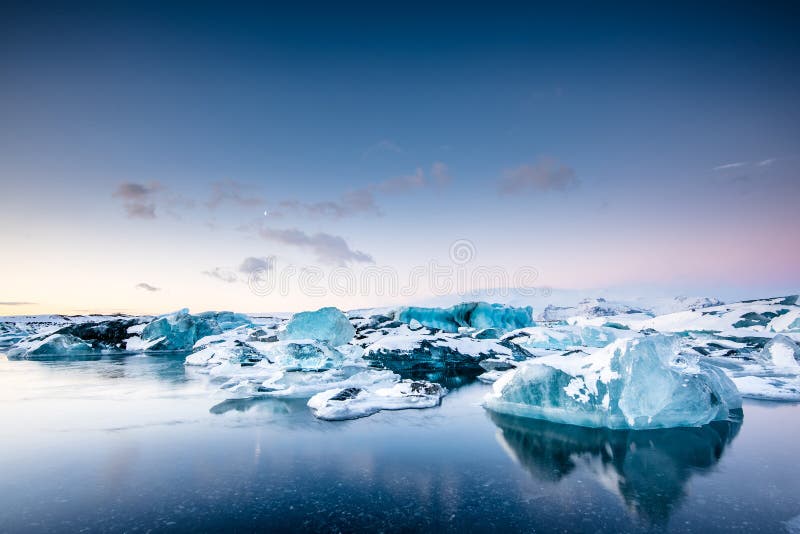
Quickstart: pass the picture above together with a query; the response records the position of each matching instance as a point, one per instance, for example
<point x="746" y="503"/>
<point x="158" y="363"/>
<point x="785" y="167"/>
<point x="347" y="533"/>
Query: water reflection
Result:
<point x="647" y="469"/>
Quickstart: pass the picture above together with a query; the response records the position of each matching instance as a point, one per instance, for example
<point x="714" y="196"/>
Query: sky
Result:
<point x="259" y="157"/>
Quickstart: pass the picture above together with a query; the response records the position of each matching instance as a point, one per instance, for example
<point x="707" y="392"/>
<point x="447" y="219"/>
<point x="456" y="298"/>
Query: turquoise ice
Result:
<point x="632" y="383"/>
<point x="326" y="324"/>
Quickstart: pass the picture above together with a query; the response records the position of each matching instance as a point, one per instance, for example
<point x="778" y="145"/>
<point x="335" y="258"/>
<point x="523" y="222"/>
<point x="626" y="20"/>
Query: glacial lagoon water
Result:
<point x="140" y="443"/>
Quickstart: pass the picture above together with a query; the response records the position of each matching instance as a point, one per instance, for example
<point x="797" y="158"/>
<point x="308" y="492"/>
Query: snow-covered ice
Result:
<point x="631" y="383"/>
<point x="355" y="402"/>
<point x="601" y="362"/>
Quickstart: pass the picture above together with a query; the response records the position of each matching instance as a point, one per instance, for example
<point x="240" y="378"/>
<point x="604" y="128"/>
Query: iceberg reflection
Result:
<point x="647" y="469"/>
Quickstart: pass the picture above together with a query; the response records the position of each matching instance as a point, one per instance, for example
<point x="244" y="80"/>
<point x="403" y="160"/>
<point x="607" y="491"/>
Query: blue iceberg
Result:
<point x="91" y="337"/>
<point x="52" y="345"/>
<point x="181" y="330"/>
<point x="638" y="383"/>
<point x="326" y="324"/>
<point x="480" y="315"/>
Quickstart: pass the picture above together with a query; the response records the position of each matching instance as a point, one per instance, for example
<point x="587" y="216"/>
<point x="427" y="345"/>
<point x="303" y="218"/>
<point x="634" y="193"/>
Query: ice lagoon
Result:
<point x="250" y="422"/>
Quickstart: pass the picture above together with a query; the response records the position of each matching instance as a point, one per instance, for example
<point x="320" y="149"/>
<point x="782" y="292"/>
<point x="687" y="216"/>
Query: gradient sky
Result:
<point x="626" y="146"/>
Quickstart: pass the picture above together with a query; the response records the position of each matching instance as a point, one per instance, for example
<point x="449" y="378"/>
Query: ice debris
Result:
<point x="355" y="402"/>
<point x="632" y="383"/>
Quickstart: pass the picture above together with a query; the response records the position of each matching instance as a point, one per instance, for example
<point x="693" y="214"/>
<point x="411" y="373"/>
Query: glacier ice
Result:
<point x="564" y="337"/>
<point x="780" y="351"/>
<point x="326" y="324"/>
<point x="405" y="349"/>
<point x="181" y="330"/>
<point x="354" y="402"/>
<point x="479" y="315"/>
<point x="52" y="345"/>
<point x="590" y="307"/>
<point x="82" y="338"/>
<point x="772" y="373"/>
<point x="632" y="383"/>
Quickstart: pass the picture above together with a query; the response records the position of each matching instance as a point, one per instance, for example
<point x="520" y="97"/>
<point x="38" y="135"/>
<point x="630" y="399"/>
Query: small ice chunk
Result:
<point x="355" y="402"/>
<point x="326" y="324"/>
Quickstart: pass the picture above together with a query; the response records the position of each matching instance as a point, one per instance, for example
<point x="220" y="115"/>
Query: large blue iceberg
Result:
<point x="181" y="330"/>
<point x="326" y="324"/>
<point x="480" y="315"/>
<point x="635" y="383"/>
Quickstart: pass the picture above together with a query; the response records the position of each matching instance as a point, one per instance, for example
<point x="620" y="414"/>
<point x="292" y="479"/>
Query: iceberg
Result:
<point x="479" y="315"/>
<point x="181" y="330"/>
<point x="638" y="383"/>
<point x="52" y="345"/>
<point x="306" y="355"/>
<point x="77" y="339"/>
<point x="354" y="402"/>
<point x="326" y="324"/>
<point x="404" y="349"/>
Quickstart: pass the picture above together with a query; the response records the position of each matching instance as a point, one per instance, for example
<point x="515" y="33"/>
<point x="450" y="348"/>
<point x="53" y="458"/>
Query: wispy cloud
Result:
<point x="362" y="201"/>
<point x="138" y="199"/>
<point x="350" y="204"/>
<point x="147" y="287"/>
<point x="236" y="192"/>
<point x="766" y="162"/>
<point x="16" y="303"/>
<point x="734" y="165"/>
<point x="145" y="201"/>
<point x="252" y="264"/>
<point x="327" y="248"/>
<point x="221" y="274"/>
<point x="544" y="175"/>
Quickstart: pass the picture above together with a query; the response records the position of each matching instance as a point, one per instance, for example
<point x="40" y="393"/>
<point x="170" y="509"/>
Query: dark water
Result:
<point x="135" y="444"/>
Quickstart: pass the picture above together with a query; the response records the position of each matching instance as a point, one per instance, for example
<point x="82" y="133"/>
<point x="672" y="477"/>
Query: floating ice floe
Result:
<point x="632" y="383"/>
<point x="355" y="402"/>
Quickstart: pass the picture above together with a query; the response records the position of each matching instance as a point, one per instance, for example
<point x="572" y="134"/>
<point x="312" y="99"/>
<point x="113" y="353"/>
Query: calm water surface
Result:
<point x="138" y="443"/>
